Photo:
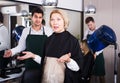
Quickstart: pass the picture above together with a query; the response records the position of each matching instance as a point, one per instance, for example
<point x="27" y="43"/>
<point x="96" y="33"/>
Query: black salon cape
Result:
<point x="59" y="44"/>
<point x="88" y="64"/>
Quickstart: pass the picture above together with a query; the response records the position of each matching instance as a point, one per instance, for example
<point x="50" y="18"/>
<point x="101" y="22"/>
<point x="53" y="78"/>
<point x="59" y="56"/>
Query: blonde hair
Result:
<point x="64" y="16"/>
<point x="85" y="43"/>
<point x="86" y="47"/>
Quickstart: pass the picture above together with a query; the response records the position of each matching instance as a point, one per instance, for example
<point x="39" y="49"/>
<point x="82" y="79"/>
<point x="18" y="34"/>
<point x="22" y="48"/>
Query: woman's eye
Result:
<point x="51" y="19"/>
<point x="58" y="19"/>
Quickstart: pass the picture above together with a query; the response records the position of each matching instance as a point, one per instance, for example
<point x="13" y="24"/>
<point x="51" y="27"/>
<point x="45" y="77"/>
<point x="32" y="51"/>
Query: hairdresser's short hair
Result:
<point x="37" y="10"/>
<point x="88" y="19"/>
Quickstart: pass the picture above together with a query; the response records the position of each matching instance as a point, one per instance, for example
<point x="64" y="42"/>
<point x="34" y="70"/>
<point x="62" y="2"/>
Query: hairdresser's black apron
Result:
<point x="34" y="44"/>
<point x="3" y="61"/>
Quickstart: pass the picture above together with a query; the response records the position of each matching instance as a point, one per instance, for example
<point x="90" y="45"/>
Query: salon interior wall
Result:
<point x="108" y="13"/>
<point x="61" y="3"/>
<point x="19" y="19"/>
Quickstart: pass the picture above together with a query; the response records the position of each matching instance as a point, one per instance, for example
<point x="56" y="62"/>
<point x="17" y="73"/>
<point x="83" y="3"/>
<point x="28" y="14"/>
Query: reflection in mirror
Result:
<point x="14" y="17"/>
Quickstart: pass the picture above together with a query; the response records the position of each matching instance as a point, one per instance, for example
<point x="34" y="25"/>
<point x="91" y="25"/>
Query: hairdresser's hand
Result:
<point x="94" y="56"/>
<point x="7" y="54"/>
<point x="65" y="58"/>
<point x="26" y="56"/>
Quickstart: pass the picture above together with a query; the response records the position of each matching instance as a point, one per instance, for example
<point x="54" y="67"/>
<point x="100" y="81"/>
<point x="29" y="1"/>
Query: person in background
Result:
<point x="32" y="40"/>
<point x="4" y="44"/>
<point x="88" y="62"/>
<point x="4" y="37"/>
<point x="63" y="56"/>
<point x="99" y="66"/>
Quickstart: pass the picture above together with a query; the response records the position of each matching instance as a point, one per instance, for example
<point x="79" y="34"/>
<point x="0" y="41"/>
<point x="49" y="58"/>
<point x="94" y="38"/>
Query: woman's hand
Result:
<point x="26" y="56"/>
<point x="65" y="58"/>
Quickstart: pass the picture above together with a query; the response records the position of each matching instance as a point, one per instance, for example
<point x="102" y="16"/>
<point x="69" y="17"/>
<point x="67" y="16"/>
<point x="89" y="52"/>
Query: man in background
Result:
<point x="99" y="66"/>
<point x="4" y="44"/>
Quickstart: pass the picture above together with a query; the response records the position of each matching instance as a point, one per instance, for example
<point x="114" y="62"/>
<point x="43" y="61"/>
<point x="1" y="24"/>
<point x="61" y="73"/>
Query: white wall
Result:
<point x="31" y="1"/>
<point x="68" y="4"/>
<point x="108" y="13"/>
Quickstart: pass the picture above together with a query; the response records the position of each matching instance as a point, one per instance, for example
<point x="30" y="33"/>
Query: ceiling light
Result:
<point x="49" y="2"/>
<point x="24" y="13"/>
<point x="90" y="9"/>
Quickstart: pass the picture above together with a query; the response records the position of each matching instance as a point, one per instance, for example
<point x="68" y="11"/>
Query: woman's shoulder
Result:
<point x="72" y="37"/>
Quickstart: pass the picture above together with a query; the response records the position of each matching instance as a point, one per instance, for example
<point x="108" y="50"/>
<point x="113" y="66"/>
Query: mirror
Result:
<point x="14" y="18"/>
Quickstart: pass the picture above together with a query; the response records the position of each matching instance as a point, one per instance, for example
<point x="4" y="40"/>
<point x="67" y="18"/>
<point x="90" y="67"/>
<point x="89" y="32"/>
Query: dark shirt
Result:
<point x="88" y="65"/>
<point x="59" y="44"/>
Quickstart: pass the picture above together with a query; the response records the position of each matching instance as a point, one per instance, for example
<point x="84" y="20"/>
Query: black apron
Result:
<point x="33" y="70"/>
<point x="3" y="64"/>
